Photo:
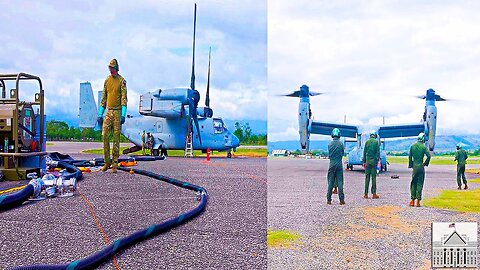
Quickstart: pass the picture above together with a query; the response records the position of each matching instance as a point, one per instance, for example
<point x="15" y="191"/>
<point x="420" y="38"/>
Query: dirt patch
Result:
<point x="427" y="265"/>
<point x="387" y="216"/>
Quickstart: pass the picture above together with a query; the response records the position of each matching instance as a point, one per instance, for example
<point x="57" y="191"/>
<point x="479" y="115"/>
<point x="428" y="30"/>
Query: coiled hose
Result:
<point x="118" y="245"/>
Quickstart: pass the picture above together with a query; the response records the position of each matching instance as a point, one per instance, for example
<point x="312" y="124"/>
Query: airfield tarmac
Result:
<point x="231" y="233"/>
<point x="363" y="234"/>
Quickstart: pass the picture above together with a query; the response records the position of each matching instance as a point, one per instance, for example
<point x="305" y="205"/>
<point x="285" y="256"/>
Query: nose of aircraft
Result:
<point x="235" y="141"/>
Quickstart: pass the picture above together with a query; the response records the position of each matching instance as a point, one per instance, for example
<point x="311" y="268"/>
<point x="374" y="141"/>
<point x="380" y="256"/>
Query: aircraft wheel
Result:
<point x="229" y="155"/>
<point x="164" y="152"/>
<point x="155" y="152"/>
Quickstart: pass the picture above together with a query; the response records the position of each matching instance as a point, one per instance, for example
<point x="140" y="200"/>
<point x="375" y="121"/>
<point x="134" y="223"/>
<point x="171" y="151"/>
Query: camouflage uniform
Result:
<point x="114" y="97"/>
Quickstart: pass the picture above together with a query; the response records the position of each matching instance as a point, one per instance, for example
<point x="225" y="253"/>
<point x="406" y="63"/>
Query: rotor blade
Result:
<point x="315" y="94"/>
<point x="439" y="98"/>
<point x="294" y="94"/>
<point x="193" y="113"/>
<point x="192" y="79"/>
<point x="207" y="98"/>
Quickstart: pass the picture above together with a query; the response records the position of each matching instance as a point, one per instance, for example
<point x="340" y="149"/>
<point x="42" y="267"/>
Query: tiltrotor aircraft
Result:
<point x="360" y="134"/>
<point x="169" y="116"/>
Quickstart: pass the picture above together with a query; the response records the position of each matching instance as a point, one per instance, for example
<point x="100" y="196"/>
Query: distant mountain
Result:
<point x="442" y="144"/>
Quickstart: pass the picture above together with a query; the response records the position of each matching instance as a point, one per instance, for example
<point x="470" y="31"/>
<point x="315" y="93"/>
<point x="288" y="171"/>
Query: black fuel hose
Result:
<point x="15" y="199"/>
<point x="118" y="245"/>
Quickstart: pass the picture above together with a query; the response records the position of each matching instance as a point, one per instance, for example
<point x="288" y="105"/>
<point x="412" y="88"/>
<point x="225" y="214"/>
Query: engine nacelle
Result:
<point x="431" y="122"/>
<point x="205" y="112"/>
<point x="161" y="108"/>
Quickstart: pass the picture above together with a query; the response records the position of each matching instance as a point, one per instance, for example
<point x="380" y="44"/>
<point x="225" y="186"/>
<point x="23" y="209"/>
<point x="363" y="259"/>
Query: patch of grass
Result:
<point x="457" y="200"/>
<point x="281" y="238"/>
<point x="436" y="160"/>
<point x="50" y="144"/>
<point x="245" y="152"/>
<point x="476" y="180"/>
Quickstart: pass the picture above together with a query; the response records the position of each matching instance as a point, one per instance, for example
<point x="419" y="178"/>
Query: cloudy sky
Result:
<point x="372" y="55"/>
<point x="68" y="42"/>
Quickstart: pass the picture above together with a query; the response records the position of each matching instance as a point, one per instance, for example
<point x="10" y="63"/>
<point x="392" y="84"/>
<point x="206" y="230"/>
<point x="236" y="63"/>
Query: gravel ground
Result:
<point x="231" y="233"/>
<point x="363" y="234"/>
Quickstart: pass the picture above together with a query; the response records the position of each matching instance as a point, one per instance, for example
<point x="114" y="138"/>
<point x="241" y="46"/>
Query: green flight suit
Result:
<point x="415" y="160"/>
<point x="335" y="169"/>
<point x="114" y="96"/>
<point x="143" y="142"/>
<point x="371" y="156"/>
<point x="461" y="158"/>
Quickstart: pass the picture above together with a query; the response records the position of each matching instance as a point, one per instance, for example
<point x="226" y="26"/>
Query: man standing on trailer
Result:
<point x="114" y="97"/>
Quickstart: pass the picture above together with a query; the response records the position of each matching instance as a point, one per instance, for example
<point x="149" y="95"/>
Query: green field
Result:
<point x="243" y="151"/>
<point x="281" y="238"/>
<point x="436" y="160"/>
<point x="457" y="200"/>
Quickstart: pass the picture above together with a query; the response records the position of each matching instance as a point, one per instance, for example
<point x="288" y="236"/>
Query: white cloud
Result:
<point x="379" y="52"/>
<point x="66" y="44"/>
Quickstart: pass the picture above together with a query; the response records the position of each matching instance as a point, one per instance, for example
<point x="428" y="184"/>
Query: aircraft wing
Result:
<point x="405" y="130"/>
<point x="326" y="129"/>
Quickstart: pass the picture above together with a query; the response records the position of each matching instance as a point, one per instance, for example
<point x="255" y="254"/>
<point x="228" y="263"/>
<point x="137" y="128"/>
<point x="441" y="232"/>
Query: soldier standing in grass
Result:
<point x="461" y="158"/>
<point x="415" y="160"/>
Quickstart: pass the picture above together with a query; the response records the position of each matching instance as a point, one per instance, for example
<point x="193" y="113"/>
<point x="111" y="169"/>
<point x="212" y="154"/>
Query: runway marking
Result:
<point x="97" y="222"/>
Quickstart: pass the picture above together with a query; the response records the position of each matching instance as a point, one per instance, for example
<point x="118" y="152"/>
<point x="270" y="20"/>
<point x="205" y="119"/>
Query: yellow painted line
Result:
<point x="12" y="189"/>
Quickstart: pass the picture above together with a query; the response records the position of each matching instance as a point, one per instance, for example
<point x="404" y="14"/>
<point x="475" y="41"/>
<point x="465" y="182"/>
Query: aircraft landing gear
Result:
<point x="384" y="168"/>
<point x="229" y="155"/>
<point x="155" y="152"/>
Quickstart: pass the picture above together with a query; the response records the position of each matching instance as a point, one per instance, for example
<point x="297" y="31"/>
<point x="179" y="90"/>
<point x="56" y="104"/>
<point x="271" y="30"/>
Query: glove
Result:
<point x="100" y="121"/>
<point x="124" y="113"/>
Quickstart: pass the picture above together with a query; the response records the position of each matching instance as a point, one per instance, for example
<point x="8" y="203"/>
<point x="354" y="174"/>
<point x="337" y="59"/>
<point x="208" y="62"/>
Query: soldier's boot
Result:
<point x="114" y="168"/>
<point x="466" y="187"/>
<point x="375" y="196"/>
<point x="418" y="203"/>
<point x="459" y="187"/>
<point x="342" y="202"/>
<point x="412" y="203"/>
<point x="106" y="167"/>
<point x="329" y="202"/>
<point x="365" y="196"/>
<point x="334" y="190"/>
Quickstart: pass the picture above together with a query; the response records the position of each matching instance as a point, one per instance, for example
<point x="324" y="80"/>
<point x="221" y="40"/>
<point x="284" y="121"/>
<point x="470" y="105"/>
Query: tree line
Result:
<point x="61" y="131"/>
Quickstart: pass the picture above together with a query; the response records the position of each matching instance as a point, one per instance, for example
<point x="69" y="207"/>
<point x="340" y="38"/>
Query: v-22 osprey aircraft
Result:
<point x="168" y="115"/>
<point x="360" y="134"/>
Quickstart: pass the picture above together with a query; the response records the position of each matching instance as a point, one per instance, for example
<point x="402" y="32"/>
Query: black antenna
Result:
<point x="207" y="98"/>
<point x="192" y="80"/>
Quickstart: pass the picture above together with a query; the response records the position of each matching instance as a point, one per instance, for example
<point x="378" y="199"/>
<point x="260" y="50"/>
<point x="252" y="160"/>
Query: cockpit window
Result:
<point x="218" y="126"/>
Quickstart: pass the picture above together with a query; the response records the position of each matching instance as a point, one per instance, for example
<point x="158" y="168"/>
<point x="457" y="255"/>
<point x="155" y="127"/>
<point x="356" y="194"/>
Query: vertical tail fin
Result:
<point x="87" y="107"/>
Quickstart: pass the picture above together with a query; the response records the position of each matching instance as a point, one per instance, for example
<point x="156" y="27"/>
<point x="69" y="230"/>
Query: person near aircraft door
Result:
<point x="461" y="158"/>
<point x="371" y="157"/>
<point x="143" y="142"/>
<point x="150" y="142"/>
<point x="114" y="98"/>
<point x="335" y="169"/>
<point x="415" y="161"/>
